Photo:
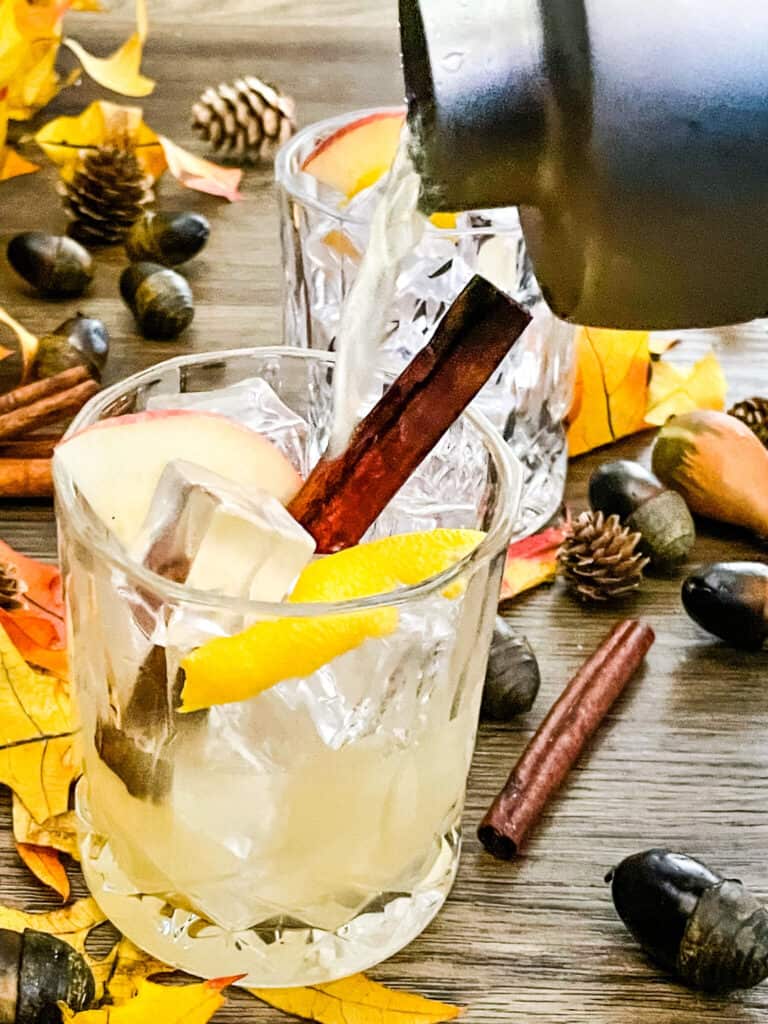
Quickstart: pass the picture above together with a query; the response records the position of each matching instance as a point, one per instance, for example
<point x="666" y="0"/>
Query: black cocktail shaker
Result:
<point x="633" y="134"/>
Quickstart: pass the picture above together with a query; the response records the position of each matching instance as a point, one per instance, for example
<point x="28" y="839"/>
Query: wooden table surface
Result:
<point x="682" y="760"/>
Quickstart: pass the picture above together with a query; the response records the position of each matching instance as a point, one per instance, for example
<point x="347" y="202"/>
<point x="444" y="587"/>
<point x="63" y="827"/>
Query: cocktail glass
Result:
<point x="323" y="236"/>
<point x="313" y="830"/>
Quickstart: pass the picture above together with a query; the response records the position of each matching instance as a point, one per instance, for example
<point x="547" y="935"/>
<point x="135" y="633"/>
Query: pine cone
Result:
<point x="10" y="587"/>
<point x="598" y="558"/>
<point x="247" y="119"/>
<point x="107" y="195"/>
<point x="754" y="413"/>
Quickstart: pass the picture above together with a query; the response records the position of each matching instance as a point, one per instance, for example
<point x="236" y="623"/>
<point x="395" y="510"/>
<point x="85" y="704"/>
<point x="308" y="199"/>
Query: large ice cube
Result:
<point x="253" y="403"/>
<point x="212" y="534"/>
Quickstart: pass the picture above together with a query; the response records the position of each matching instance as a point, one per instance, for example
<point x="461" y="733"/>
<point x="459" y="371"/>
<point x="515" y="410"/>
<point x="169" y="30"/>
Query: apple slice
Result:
<point x="357" y="155"/>
<point x="117" y="463"/>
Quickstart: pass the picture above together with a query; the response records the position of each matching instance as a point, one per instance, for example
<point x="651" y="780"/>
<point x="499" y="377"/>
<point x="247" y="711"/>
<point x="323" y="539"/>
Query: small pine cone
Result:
<point x="247" y="119"/>
<point x="10" y="587"/>
<point x="598" y="558"/>
<point x="753" y="412"/>
<point x="107" y="195"/>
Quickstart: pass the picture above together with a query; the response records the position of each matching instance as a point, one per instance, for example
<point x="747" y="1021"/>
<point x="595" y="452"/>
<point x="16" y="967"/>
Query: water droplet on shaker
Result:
<point x="452" y="61"/>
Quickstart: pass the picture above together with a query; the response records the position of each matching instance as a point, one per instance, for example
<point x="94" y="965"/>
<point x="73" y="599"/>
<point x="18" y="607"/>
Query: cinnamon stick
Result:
<point x="35" y="447"/>
<point x="561" y="738"/>
<point x="25" y="478"/>
<point x="29" y="393"/>
<point x="46" y="410"/>
<point x="343" y="496"/>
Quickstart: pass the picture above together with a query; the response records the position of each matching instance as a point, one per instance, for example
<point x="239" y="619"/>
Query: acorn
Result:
<point x="710" y="931"/>
<point x="638" y="498"/>
<point x="79" y="341"/>
<point x="718" y="465"/>
<point x="730" y="600"/>
<point x="58" y="266"/>
<point x="512" y="679"/>
<point x="159" y="298"/>
<point x="167" y="238"/>
<point x="37" y="971"/>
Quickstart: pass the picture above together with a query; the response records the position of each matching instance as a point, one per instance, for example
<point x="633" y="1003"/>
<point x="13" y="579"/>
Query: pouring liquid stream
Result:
<point x="396" y="228"/>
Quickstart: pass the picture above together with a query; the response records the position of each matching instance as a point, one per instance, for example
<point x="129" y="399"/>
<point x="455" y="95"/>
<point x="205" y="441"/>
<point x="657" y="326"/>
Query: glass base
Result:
<point x="274" y="954"/>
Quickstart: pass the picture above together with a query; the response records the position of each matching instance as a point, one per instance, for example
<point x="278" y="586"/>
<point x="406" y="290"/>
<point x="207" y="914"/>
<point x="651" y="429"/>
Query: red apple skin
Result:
<point x="120" y="492"/>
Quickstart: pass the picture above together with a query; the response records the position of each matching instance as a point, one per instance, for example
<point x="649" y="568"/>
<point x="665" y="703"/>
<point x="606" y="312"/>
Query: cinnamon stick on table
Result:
<point x="39" y="446"/>
<point x="29" y="393"/>
<point x="25" y="478"/>
<point x="561" y="737"/>
<point x="51" y="407"/>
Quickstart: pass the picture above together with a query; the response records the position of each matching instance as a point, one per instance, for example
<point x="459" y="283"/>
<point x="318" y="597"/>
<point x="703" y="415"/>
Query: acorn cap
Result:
<point x="666" y="528"/>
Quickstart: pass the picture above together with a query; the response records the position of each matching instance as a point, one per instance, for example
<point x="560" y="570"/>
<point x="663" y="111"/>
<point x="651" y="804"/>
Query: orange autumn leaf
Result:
<point x="58" y="832"/>
<point x="531" y="562"/>
<point x="611" y="391"/>
<point x="13" y="165"/>
<point x="28" y="342"/>
<point x="46" y="866"/>
<point x="673" y="392"/>
<point x="202" y="175"/>
<point x="42" y="584"/>
<point x="357" y="1000"/>
<point x="121" y="71"/>
<point x="36" y="639"/>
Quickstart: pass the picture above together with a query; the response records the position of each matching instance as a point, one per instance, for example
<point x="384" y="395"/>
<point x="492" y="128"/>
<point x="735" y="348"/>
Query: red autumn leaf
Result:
<point x="531" y="562"/>
<point x="37" y="627"/>
<point x="196" y="173"/>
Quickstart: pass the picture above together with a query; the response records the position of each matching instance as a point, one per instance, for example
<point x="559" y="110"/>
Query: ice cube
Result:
<point x="213" y="534"/>
<point x="255" y="404"/>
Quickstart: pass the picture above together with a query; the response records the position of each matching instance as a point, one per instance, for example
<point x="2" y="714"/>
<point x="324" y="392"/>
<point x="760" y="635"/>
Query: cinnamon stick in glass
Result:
<point x="343" y="496"/>
<point x="561" y="737"/>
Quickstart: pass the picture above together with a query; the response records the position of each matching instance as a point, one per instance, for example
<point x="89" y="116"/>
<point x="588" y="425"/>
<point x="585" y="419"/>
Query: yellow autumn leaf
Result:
<point x="58" y="832"/>
<point x="123" y="969"/>
<point x="164" y="1004"/>
<point x="63" y="139"/>
<point x="120" y="72"/>
<point x="35" y="81"/>
<point x="28" y="342"/>
<point x="611" y="390"/>
<point x="357" y="1000"/>
<point x="38" y="760"/>
<point x="87" y="5"/>
<point x="72" y="924"/>
<point x="672" y="391"/>
<point x="46" y="866"/>
<point x="13" y="45"/>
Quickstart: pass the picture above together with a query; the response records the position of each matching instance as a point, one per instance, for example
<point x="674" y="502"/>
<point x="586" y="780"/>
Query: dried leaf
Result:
<point x="120" y="72"/>
<point x="202" y="175"/>
<point x="28" y="343"/>
<point x="57" y="833"/>
<point x="124" y="968"/>
<point x="45" y="865"/>
<point x="36" y="629"/>
<point x="63" y="138"/>
<point x="356" y="1000"/>
<point x="38" y="759"/>
<point x="531" y="562"/>
<point x="71" y="924"/>
<point x="672" y="391"/>
<point x="37" y="639"/>
<point x="611" y="391"/>
<point x="165" y="1004"/>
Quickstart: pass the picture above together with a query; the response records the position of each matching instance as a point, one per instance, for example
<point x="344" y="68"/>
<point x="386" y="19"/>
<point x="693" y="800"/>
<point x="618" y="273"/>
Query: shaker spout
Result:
<point x="476" y="100"/>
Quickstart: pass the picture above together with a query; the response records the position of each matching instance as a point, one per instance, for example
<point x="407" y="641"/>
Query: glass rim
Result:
<point x="293" y="180"/>
<point x="90" y="530"/>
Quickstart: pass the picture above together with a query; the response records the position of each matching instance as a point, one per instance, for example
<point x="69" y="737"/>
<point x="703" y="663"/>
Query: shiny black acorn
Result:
<point x="730" y="600"/>
<point x="59" y="267"/>
<point x="708" y="930"/>
<point x="79" y="341"/>
<point x="641" y="501"/>
<point x="512" y="679"/>
<point x="167" y="238"/>
<point x="37" y="971"/>
<point x="159" y="298"/>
